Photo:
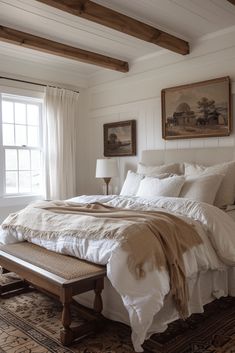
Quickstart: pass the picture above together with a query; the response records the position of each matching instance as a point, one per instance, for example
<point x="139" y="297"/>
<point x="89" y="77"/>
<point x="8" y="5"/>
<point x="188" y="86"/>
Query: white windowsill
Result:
<point x="7" y="201"/>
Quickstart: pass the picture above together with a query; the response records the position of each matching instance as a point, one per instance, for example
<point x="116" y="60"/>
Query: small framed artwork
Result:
<point x="120" y="139"/>
<point x="201" y="109"/>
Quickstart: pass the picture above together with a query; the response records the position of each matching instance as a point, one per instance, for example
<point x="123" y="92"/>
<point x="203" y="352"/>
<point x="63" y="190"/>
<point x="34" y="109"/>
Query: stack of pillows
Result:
<point x="214" y="184"/>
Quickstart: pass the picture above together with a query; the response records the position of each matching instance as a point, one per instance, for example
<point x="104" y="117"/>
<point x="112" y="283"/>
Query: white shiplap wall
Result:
<point x="137" y="96"/>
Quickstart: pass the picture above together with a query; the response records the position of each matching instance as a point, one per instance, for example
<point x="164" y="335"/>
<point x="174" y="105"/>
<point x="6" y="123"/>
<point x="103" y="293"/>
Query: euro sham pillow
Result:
<point x="131" y="184"/>
<point x="151" y="187"/>
<point x="201" y="188"/>
<point x="173" y="168"/>
<point x="226" y="192"/>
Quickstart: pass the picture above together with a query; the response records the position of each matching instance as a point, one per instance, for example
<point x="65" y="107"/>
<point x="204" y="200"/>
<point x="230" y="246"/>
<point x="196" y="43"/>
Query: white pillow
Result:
<point x="149" y="170"/>
<point x="226" y="192"/>
<point x="151" y="187"/>
<point x="201" y="188"/>
<point x="131" y="184"/>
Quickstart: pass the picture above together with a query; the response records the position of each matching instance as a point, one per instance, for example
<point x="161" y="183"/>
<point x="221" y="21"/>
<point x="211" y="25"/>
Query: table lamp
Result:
<point x="106" y="169"/>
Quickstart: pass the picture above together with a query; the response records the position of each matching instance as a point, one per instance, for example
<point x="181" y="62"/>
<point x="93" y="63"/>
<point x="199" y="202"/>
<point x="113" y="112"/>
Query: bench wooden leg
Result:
<point x="66" y="335"/>
<point x="69" y="334"/>
<point x="98" y="303"/>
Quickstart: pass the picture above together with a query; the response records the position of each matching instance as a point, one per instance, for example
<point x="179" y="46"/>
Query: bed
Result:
<point x="146" y="304"/>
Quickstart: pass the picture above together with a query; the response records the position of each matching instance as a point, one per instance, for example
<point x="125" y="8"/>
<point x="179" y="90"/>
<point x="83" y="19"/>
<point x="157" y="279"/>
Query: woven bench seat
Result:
<point x="63" y="266"/>
<point x="61" y="275"/>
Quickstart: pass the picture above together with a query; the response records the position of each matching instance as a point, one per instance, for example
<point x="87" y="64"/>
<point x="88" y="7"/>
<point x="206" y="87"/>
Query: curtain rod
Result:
<point x="32" y="83"/>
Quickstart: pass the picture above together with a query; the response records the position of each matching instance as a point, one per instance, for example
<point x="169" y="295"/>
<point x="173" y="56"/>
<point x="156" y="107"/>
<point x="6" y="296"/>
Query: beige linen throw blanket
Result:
<point x="152" y="239"/>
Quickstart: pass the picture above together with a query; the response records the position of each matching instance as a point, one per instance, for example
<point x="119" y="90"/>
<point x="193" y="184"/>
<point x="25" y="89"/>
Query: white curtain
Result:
<point x="61" y="112"/>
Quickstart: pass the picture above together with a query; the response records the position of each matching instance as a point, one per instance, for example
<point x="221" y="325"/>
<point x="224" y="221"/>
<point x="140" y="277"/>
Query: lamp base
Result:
<point x="107" y="181"/>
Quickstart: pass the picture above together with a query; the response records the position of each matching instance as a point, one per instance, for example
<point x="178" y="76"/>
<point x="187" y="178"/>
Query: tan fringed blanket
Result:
<point x="152" y="239"/>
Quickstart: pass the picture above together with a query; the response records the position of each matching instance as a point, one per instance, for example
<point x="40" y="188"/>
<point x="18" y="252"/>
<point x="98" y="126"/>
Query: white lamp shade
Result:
<point x="106" y="168"/>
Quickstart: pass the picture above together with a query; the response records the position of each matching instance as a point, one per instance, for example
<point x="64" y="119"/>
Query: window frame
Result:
<point x="23" y="197"/>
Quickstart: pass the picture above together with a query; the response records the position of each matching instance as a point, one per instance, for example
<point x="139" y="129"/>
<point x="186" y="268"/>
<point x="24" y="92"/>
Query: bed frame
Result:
<point x="64" y="289"/>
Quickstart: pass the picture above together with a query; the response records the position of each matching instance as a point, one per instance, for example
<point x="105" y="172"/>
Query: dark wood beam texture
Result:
<point x="232" y="1"/>
<point x="103" y="15"/>
<point x="28" y="40"/>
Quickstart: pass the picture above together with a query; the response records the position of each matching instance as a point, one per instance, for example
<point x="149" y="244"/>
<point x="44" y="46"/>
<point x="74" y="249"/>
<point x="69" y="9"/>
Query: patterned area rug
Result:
<point x="30" y="323"/>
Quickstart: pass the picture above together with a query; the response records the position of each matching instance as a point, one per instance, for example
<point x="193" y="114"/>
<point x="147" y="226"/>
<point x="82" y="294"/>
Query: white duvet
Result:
<point x="144" y="298"/>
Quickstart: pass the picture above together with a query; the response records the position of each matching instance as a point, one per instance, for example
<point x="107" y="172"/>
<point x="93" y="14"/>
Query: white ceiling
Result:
<point x="189" y="19"/>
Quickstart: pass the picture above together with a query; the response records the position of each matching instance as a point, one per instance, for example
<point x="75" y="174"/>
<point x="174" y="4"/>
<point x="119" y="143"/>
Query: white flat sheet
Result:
<point x="144" y="299"/>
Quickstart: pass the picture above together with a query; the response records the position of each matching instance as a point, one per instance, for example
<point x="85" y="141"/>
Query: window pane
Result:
<point x="11" y="159"/>
<point x="7" y="112"/>
<point x="33" y="114"/>
<point x="36" y="182"/>
<point x="8" y="134"/>
<point x="35" y="160"/>
<point x="20" y="135"/>
<point x="33" y="138"/>
<point x="24" y="160"/>
<point x="24" y="182"/>
<point x="21" y="124"/>
<point x="11" y="183"/>
<point x="20" y="113"/>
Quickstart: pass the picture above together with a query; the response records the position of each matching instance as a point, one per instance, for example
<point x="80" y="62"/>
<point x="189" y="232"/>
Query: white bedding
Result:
<point x="145" y="298"/>
<point x="204" y="288"/>
<point x="231" y="212"/>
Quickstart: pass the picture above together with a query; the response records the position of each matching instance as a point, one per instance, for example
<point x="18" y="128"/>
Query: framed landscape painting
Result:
<point x="201" y="109"/>
<point x="120" y="139"/>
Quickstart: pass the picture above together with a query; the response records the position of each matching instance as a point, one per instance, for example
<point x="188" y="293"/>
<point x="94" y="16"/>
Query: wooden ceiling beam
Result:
<point x="107" y="17"/>
<point x="232" y="1"/>
<point x="28" y="40"/>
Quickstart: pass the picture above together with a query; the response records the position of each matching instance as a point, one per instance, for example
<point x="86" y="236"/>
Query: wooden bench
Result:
<point x="60" y="275"/>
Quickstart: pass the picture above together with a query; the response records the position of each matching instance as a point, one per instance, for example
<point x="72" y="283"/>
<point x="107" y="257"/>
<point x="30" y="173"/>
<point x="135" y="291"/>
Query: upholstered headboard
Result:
<point x="207" y="156"/>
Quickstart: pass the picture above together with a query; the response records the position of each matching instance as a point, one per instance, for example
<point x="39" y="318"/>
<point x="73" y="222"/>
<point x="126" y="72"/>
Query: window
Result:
<point x="21" y="145"/>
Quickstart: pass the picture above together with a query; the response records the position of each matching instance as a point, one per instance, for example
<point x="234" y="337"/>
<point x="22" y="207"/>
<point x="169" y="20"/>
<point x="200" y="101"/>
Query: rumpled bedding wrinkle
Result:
<point x="152" y="239"/>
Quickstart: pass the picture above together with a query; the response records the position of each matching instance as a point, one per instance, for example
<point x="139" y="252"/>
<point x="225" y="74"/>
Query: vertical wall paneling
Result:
<point x="138" y="96"/>
<point x="149" y="136"/>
